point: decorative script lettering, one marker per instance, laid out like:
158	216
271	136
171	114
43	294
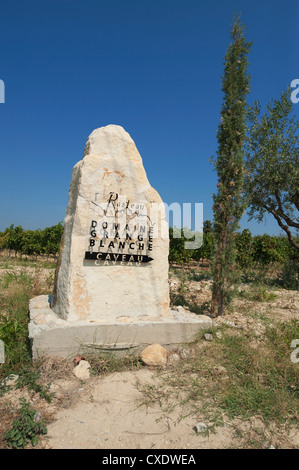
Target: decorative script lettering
120	233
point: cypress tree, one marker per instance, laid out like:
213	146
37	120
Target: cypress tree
228	203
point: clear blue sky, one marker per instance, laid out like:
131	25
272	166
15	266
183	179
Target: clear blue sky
153	67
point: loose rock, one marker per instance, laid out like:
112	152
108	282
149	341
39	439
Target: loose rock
173	358
200	427
181	309
208	337
154	355
184	353
38	416
229	323
10	381
81	371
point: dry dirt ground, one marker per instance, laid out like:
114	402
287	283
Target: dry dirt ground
110	411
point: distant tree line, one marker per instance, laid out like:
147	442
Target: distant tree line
262	249
250	249
31	242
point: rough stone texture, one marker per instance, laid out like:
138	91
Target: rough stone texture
84	289
81	371
173	358
57	337
185	353
208	337
154	355
200	427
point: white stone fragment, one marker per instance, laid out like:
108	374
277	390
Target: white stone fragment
81	371
200	427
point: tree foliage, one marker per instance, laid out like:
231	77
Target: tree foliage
243	243
32	242
177	251
272	164
228	204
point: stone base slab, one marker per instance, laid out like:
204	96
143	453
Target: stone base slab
52	336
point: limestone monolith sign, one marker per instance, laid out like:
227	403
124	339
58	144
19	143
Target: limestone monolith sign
111	282
114	253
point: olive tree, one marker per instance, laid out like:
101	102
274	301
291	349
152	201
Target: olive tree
272	165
